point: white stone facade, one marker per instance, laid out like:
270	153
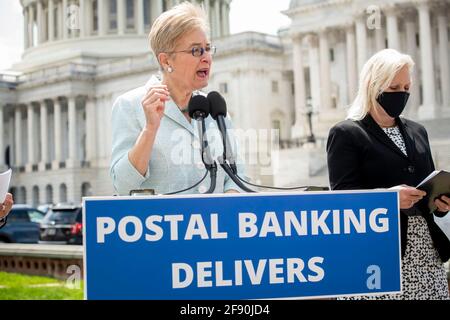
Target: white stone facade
55	115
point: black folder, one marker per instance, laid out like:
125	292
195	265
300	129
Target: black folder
435	185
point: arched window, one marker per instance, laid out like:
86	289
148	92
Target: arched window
35	196
63	193
86	190
49	194
22	195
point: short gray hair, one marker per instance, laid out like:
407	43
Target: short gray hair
173	24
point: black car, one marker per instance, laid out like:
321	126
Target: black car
62	224
22	225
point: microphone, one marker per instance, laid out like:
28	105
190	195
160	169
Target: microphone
199	109
218	109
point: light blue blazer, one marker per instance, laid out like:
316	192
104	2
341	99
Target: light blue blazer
175	162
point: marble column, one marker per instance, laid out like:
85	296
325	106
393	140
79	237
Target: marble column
40	22
325	82
392	28
207	6
31	137
352	75
314	71
82	18
30	26
411	49
140	17
44	136
72	119
58	133
51	20
428	107
26	30
90	129
380	40
18	136
65	19
224	14
299	129
361	42
216	20
444	57
121	17
156	9
102	17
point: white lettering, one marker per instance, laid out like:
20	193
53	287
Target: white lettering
151	226
319	222
247	225
294	268
384	222
270	224
359	225
215	233
176	269
203	273
220	282
173	220
290	219
105	225
275	270
255	276
196	227
320	273
136	222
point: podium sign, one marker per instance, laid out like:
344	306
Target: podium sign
242	246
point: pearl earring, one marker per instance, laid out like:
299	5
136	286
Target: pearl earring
169	70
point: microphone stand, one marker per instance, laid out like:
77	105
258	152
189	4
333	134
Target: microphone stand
226	167
207	160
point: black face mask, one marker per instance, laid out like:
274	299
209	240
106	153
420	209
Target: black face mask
393	102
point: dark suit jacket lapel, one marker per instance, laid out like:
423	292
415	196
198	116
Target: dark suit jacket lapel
375	130
408	137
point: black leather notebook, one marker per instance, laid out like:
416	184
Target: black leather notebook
435	185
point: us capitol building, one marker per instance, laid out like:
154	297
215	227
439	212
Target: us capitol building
80	55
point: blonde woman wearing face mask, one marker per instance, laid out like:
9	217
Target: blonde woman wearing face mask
376	148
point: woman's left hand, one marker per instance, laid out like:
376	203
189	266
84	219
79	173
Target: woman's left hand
443	203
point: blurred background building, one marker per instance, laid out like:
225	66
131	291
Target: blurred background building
80	55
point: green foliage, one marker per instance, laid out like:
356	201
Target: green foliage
22	287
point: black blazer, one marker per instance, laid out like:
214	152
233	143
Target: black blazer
361	156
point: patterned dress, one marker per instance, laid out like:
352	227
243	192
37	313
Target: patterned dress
423	273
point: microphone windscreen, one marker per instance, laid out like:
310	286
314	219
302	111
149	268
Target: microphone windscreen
198	103
218	106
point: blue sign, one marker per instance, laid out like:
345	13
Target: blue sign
260	246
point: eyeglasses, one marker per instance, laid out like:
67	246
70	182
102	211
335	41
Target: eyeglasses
198	51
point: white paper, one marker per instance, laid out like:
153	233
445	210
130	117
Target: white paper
430	176
5	178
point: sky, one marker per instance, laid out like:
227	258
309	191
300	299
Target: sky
245	15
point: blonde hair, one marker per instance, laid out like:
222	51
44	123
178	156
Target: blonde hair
173	24
375	77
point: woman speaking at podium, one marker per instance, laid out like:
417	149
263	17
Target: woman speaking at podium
153	143
376	148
